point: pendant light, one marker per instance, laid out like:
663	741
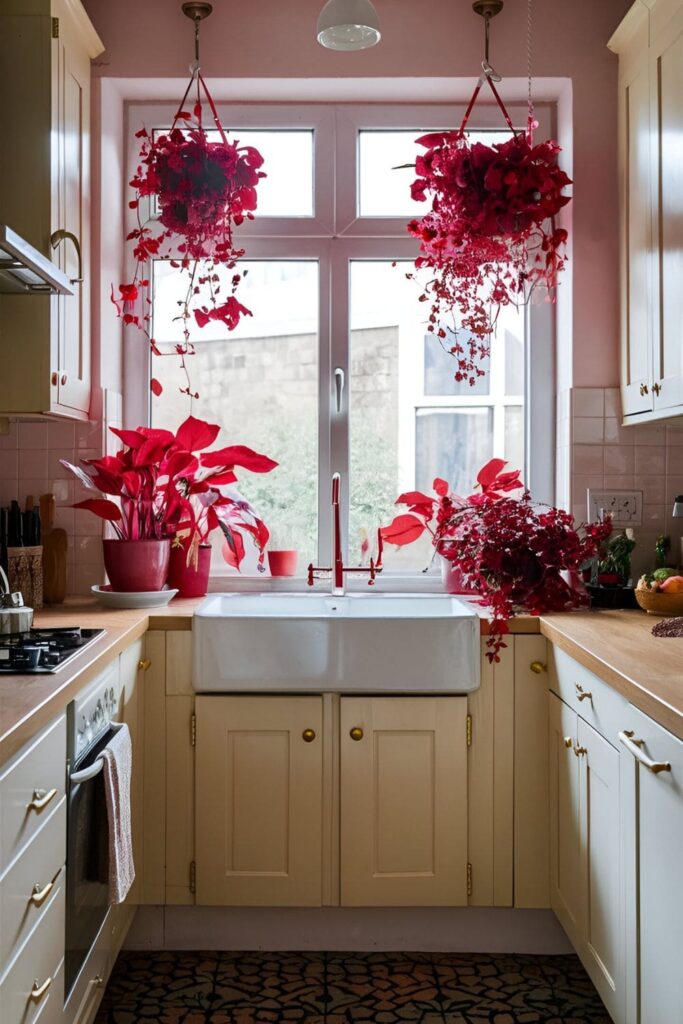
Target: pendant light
348	25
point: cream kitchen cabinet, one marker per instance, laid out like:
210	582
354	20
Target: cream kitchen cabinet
652	840
649	43
45	52
403	779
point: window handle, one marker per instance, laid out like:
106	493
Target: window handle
339	381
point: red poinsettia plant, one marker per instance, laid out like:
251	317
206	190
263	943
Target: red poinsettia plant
514	554
490	235
203	190
167	486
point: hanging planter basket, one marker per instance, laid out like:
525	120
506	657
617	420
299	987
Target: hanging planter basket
203	190
490	235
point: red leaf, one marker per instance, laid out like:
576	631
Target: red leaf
488	473
404	530
195	434
155	386
441	487
238	455
414	498
101	507
233	549
225	477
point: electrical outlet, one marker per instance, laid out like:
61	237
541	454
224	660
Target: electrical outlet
625	507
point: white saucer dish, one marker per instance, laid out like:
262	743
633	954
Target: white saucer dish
133	599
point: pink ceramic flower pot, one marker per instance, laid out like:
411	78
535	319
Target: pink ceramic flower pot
189	580
452	578
283	563
136	565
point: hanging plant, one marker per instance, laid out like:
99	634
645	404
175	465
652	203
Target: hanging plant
203	190
490	236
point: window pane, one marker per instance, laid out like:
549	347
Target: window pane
514	437
260	382
287	189
453	444
384	191
439	370
512	328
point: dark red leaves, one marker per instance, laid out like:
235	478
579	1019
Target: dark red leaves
239	455
155	387
101	507
441	487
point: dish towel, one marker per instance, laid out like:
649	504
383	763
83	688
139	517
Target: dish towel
118	763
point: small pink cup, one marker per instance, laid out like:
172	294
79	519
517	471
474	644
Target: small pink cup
283	563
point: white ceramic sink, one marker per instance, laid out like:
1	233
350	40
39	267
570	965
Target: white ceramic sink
316	642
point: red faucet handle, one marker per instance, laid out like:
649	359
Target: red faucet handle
310	574
371	581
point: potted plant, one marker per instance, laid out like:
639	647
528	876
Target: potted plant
167	487
515	555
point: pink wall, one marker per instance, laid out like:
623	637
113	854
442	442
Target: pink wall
432	38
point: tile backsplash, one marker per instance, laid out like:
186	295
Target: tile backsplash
596	451
29	465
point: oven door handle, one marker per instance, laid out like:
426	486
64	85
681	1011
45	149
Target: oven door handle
96	767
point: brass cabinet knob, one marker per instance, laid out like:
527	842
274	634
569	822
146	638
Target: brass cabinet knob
538	667
644	390
144	664
656	388
568	742
308	735
580	751
356	733
63	380
53	380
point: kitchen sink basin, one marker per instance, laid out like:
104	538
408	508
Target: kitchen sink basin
315	642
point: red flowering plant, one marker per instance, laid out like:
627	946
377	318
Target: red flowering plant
203	189
167	486
490	235
510	551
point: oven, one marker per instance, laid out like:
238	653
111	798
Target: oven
91	723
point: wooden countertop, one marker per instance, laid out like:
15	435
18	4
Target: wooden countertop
618	646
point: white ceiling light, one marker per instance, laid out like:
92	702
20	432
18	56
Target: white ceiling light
348	25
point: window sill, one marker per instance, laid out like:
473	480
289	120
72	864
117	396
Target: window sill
391	583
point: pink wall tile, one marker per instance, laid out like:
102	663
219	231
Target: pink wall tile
674	462
654	487
9	465
650	459
55	470
32	435
615	433
63	491
619	481
32	464
61	435
648	434
588	402
613	402
34	487
10	439
85	523
653	517
674	436
587	459
588	430
619	458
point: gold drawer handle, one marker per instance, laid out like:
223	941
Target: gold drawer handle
39	895
644	389
633	744
657	388
568	742
538	667
144	664
38	991
581	693
308	735
41	798
356	733
580	751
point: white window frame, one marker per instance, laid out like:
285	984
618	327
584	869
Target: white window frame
335	235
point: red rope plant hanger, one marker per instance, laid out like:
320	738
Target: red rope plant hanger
203	189
490	235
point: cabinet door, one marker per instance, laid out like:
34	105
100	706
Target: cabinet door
71	213
652	810
258	829
636	238
131	667
666	76
403	801
565	833
602	940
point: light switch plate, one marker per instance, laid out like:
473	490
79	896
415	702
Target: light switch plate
626	507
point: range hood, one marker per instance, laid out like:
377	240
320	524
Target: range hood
24	270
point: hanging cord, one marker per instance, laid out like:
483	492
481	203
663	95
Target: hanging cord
531	123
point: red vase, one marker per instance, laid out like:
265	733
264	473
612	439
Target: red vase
283	563
136	565
186	579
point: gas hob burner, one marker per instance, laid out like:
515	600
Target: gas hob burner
43	650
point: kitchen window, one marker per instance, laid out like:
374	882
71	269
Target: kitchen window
335	370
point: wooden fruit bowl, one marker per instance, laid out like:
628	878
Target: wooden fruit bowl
654	602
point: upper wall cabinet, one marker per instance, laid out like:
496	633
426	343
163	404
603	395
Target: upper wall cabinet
649	43
45	51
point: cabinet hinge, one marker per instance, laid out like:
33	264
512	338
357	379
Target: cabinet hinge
193	729
193	876
469	879
55	28
468	730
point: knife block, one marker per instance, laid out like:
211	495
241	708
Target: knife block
26	574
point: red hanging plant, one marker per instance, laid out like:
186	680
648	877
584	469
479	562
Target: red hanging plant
203	189
490	235
512	552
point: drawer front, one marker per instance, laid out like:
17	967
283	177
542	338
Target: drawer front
40	959
596	702
27	886
30	791
86	995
